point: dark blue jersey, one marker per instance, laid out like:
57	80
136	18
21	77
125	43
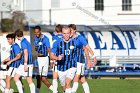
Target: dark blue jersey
42	44
81	42
56	39
68	49
26	45
14	50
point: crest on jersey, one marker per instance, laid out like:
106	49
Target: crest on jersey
71	47
40	43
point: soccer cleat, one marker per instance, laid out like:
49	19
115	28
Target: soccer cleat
11	90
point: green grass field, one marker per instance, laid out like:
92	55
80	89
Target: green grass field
98	86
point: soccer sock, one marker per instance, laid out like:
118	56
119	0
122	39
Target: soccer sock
2	85
2	88
68	90
19	87
75	87
86	87
32	88
11	90
37	90
7	90
51	88
55	85
2	82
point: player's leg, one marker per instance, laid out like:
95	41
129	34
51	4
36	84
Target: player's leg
29	78
38	78
69	77
8	79
62	78
55	76
43	70
19	73
76	78
10	73
85	84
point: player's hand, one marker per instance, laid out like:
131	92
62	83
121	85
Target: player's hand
94	61
60	57
25	67
89	64
8	63
2	62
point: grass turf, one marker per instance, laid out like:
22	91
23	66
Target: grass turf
96	86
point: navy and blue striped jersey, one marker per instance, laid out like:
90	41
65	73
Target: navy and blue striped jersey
14	50
26	45
81	42
42	44
68	49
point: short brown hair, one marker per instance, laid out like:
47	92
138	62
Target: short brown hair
19	33
58	28
73	26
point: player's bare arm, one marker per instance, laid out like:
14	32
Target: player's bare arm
25	59
18	56
6	60
87	57
54	57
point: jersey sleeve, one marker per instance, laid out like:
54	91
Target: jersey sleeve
83	40
47	42
55	47
16	49
24	45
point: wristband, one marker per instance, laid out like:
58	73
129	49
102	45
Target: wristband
25	63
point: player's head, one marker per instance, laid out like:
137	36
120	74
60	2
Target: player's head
37	31
19	34
10	38
66	33
58	28
72	28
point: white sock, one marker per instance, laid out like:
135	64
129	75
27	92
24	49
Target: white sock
51	88
19	86
6	90
75	87
2	83
11	90
68	90
55	85
2	88
32	88
37	90
86	87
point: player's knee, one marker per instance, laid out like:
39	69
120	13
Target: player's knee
16	79
68	83
43	79
76	78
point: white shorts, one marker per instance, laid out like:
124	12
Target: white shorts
43	63
70	73
20	70
11	71
80	68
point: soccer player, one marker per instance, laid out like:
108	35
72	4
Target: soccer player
64	53
42	46
84	47
57	37
26	64
13	61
